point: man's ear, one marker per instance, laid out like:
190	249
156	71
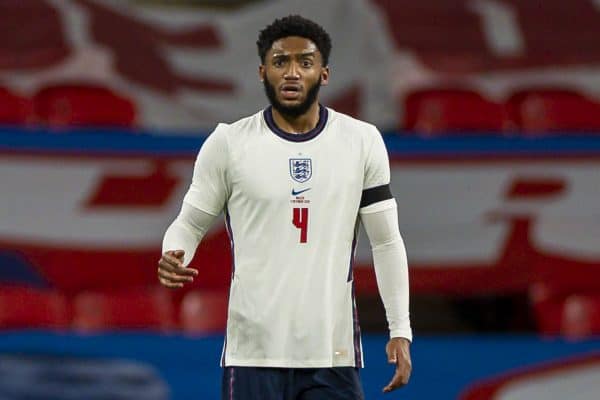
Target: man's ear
261	72
324	76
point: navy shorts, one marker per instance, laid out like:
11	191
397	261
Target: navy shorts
258	383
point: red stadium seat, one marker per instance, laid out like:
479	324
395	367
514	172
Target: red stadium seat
548	304
581	317
442	111
22	307
14	109
556	281
536	111
127	309
83	105
204	312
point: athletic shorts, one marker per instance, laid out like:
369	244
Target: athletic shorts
258	383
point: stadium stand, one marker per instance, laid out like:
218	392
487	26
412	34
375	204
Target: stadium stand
14	109
581	316
547	303
63	105
440	111
560	308
543	110
23	307
204	312
141	308
429	112
459	53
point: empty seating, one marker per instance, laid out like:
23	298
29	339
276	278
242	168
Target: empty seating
83	105
442	111
547	303
581	317
22	307
537	111
204	312
131	309
14	109
431	112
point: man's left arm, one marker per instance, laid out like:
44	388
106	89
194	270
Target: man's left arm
380	220
379	216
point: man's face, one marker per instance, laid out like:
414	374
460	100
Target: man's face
292	75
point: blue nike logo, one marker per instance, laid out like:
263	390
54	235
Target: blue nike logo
294	193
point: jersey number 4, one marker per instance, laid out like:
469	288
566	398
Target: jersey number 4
300	221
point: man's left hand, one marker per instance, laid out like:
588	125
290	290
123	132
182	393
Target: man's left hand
398	352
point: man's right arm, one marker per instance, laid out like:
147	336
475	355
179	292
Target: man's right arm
203	201
179	245
186	231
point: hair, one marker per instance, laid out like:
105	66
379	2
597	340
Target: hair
294	25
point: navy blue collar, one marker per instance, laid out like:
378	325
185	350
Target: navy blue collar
296	137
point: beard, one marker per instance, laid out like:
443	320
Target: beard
295	110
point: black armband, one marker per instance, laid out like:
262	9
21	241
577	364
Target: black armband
375	194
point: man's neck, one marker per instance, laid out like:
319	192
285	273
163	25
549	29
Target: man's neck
299	125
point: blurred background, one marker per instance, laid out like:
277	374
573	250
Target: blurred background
491	115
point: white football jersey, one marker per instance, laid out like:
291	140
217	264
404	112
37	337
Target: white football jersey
291	203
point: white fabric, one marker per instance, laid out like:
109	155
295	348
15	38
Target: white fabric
391	266
186	231
291	303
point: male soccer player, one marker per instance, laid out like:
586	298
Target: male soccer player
294	180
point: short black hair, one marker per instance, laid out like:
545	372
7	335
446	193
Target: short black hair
294	25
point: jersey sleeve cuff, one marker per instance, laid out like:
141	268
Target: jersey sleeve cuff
402	333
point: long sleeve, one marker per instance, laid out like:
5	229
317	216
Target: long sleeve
186	231
380	220
209	189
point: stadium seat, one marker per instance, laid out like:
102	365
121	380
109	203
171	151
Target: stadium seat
581	317
133	309
435	112
556	280
548	303
14	109
204	312
22	307
83	105
538	111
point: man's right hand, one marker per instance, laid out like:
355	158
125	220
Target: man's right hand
171	272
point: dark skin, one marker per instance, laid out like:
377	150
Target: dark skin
171	272
398	353
292	65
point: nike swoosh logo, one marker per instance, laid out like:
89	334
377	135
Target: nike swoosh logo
294	193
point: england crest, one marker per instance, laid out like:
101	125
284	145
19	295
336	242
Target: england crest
301	169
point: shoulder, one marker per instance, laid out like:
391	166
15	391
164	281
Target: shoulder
229	133
351	123
355	127
251	123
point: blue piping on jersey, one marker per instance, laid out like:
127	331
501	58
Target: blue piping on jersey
352	251
231	241
356	329
232	247
303	137
355	323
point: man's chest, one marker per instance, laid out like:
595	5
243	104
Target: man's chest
263	173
